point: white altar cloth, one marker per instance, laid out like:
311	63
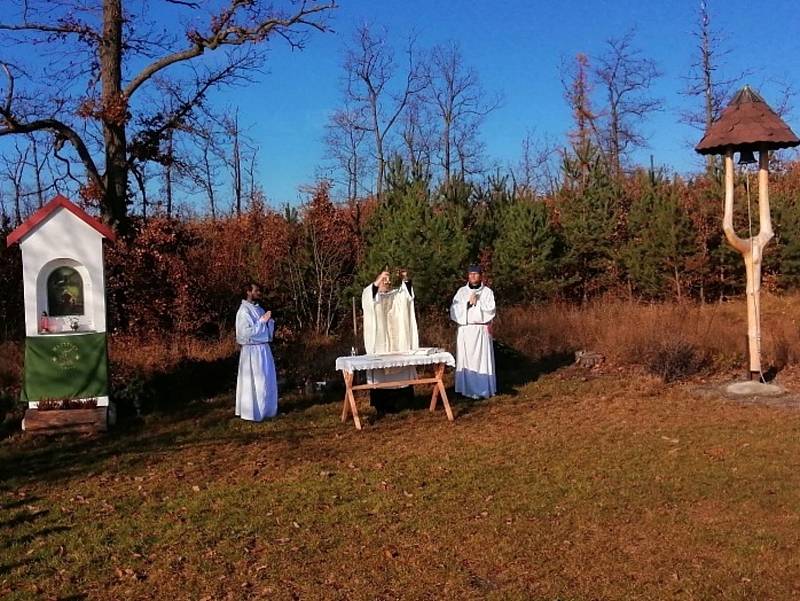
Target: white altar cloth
422	356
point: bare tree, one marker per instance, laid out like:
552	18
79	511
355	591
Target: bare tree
241	153
345	140
704	81
585	137
203	173
111	42
208	176
235	162
460	104
14	171
419	137
36	176
253	192
536	172
624	77
139	172
370	71
37	165
169	167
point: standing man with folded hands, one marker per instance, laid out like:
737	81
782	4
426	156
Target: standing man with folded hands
473	309
257	382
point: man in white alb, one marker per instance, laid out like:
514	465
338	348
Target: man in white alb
256	385
390	325
473	309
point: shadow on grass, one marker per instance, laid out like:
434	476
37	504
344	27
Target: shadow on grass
25	517
136	442
181	391
192	405
515	369
7	568
18	503
27	539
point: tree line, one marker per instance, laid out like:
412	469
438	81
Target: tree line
645	237
406	182
121	115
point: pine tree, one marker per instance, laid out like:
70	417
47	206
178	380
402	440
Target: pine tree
787	227
407	230
661	240
526	252
589	217
490	202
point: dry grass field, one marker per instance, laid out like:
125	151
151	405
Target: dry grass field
572	484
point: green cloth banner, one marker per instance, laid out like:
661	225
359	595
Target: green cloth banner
72	366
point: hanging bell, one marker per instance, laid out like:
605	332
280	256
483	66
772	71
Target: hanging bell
746	157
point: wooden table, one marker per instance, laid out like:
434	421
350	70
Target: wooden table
420	358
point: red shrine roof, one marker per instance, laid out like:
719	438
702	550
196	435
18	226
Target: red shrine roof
747	123
59	201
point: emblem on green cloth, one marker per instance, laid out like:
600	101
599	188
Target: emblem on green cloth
70	366
66	355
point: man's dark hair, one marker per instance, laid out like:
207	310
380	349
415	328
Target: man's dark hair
247	288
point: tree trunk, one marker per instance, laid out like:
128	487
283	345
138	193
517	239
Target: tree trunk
114	201
447	151
208	182
141	180
168	174
708	78
37	170
376	126
236	166
17	204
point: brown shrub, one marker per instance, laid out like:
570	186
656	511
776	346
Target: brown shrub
673	340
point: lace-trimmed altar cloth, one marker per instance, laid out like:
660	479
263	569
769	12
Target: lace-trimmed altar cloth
422	356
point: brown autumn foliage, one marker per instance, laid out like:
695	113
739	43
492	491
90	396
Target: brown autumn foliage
174	286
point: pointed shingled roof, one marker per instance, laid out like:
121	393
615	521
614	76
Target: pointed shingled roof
59	201
747	123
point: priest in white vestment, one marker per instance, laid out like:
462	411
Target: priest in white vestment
473	309
390	325
257	383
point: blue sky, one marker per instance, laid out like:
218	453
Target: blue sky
516	46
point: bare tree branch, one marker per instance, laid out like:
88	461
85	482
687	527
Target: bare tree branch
194	5
226	32
10	124
625	77
65	27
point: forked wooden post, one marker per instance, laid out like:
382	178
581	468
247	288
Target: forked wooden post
745	125
752	251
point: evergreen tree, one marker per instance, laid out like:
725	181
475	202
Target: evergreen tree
590	215
407	230
488	208
526	252
787	240
661	240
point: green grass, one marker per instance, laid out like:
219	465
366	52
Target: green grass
565	489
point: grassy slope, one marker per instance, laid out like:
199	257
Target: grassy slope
564	489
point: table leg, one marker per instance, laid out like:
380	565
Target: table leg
354	410
434	396
348	383
350	400
439	388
